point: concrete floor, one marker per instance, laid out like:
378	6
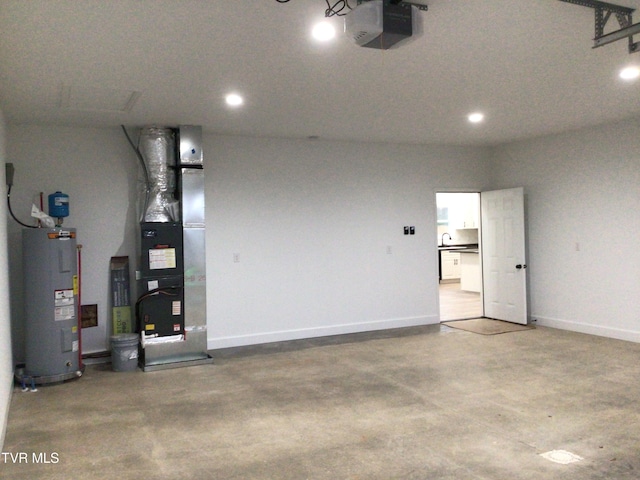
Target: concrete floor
420	403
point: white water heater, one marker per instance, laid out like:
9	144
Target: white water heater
52	350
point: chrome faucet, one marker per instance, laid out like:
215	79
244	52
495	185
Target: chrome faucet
442	239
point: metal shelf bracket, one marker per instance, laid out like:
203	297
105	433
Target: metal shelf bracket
603	12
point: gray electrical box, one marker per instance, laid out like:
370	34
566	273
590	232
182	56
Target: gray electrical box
190	145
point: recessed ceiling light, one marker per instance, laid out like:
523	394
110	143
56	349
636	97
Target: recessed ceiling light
234	100
323	31
476	117
630	73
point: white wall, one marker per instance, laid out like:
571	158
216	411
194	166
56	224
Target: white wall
583	198
6	362
311	223
98	170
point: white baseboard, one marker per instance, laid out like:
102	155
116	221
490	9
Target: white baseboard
581	327
313	332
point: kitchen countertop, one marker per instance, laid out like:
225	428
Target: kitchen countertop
459	248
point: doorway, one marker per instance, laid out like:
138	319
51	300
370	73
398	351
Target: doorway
459	258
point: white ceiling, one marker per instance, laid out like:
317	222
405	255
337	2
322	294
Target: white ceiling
529	65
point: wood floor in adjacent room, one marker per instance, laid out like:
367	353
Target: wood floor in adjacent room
457	304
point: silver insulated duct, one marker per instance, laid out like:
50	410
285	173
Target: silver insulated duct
157	146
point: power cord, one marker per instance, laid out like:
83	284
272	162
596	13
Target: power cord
145	171
170	291
9	171
336	8
11	211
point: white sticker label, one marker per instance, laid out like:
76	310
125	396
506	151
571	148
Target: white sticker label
74	346
63	297
161	258
176	307
152	285
64	304
65	313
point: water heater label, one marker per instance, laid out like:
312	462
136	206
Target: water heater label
64	305
161	258
65	313
63	297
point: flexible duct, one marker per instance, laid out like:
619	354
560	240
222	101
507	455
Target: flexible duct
157	146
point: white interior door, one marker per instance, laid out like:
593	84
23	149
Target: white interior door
503	255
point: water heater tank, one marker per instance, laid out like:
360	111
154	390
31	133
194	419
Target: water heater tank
50	304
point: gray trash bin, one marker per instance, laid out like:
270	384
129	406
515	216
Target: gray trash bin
124	352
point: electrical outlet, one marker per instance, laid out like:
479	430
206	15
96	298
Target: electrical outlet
236	258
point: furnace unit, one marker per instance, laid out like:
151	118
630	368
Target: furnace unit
171	308
161	272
